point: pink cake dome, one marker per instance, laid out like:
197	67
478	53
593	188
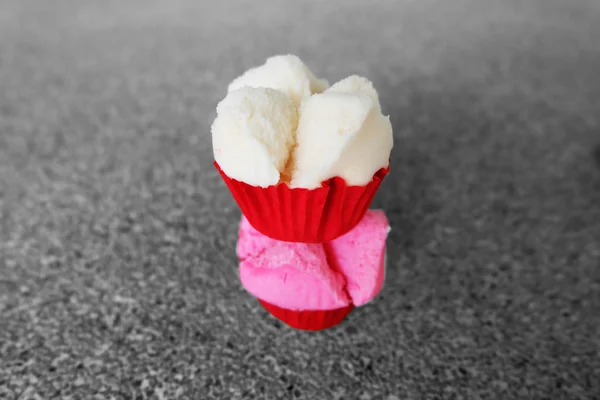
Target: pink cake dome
314	286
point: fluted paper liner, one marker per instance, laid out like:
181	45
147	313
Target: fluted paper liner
302	215
308	320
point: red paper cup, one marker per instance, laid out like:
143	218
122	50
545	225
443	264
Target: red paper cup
308	320
303	215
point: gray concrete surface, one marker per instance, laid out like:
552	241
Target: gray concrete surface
117	269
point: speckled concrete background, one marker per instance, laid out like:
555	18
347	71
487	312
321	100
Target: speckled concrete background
117	269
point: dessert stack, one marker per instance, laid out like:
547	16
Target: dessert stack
303	161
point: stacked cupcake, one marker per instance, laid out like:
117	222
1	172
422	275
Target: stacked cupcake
303	161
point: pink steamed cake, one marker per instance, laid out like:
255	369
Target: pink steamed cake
300	276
